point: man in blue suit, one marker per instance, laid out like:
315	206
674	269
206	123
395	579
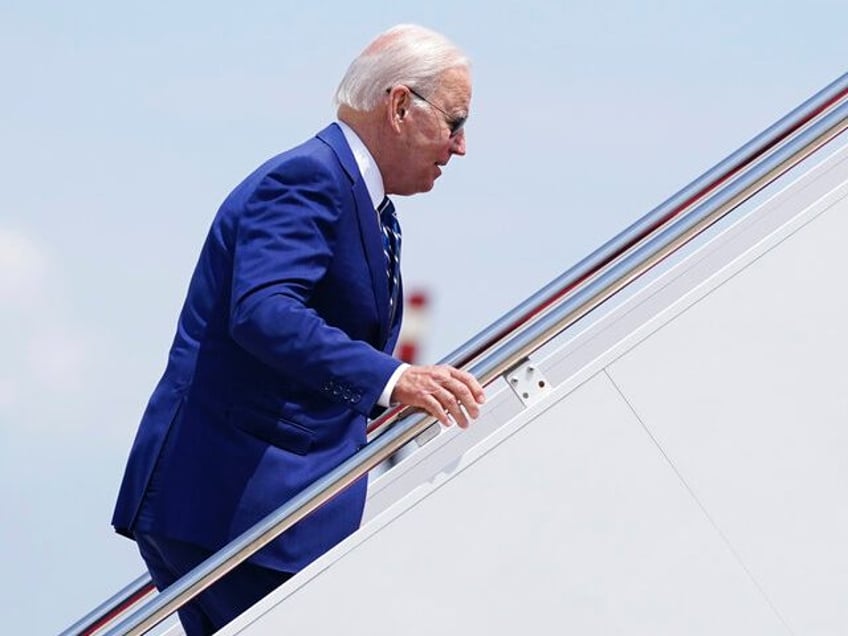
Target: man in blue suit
283	346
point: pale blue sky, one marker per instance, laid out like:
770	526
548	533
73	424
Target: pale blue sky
123	127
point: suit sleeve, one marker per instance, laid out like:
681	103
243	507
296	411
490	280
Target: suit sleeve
283	246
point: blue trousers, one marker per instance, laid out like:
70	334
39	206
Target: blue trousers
168	560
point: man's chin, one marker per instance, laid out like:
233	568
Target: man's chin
421	188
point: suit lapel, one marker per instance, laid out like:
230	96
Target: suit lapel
369	230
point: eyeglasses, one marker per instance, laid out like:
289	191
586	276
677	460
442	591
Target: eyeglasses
454	123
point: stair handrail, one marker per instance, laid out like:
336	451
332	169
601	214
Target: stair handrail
524	329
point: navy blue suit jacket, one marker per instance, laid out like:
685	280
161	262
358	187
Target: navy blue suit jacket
281	353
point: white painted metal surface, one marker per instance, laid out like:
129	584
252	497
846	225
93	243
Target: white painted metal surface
685	473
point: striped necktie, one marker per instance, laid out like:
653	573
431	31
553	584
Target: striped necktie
391	248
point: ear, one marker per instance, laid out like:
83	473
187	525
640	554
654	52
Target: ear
398	104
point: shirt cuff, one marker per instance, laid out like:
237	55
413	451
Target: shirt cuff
385	399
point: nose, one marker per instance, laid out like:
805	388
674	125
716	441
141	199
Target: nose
458	143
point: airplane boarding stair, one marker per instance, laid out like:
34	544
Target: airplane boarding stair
664	448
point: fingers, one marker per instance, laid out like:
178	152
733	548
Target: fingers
442	405
448	394
468	391
437	409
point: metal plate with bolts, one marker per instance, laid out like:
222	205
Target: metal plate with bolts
528	382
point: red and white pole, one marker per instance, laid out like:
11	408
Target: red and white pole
415	324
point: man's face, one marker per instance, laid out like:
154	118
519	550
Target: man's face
427	141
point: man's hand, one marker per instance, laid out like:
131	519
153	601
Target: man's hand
444	392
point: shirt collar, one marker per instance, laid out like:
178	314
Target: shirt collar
366	164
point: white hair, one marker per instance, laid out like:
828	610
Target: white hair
405	54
